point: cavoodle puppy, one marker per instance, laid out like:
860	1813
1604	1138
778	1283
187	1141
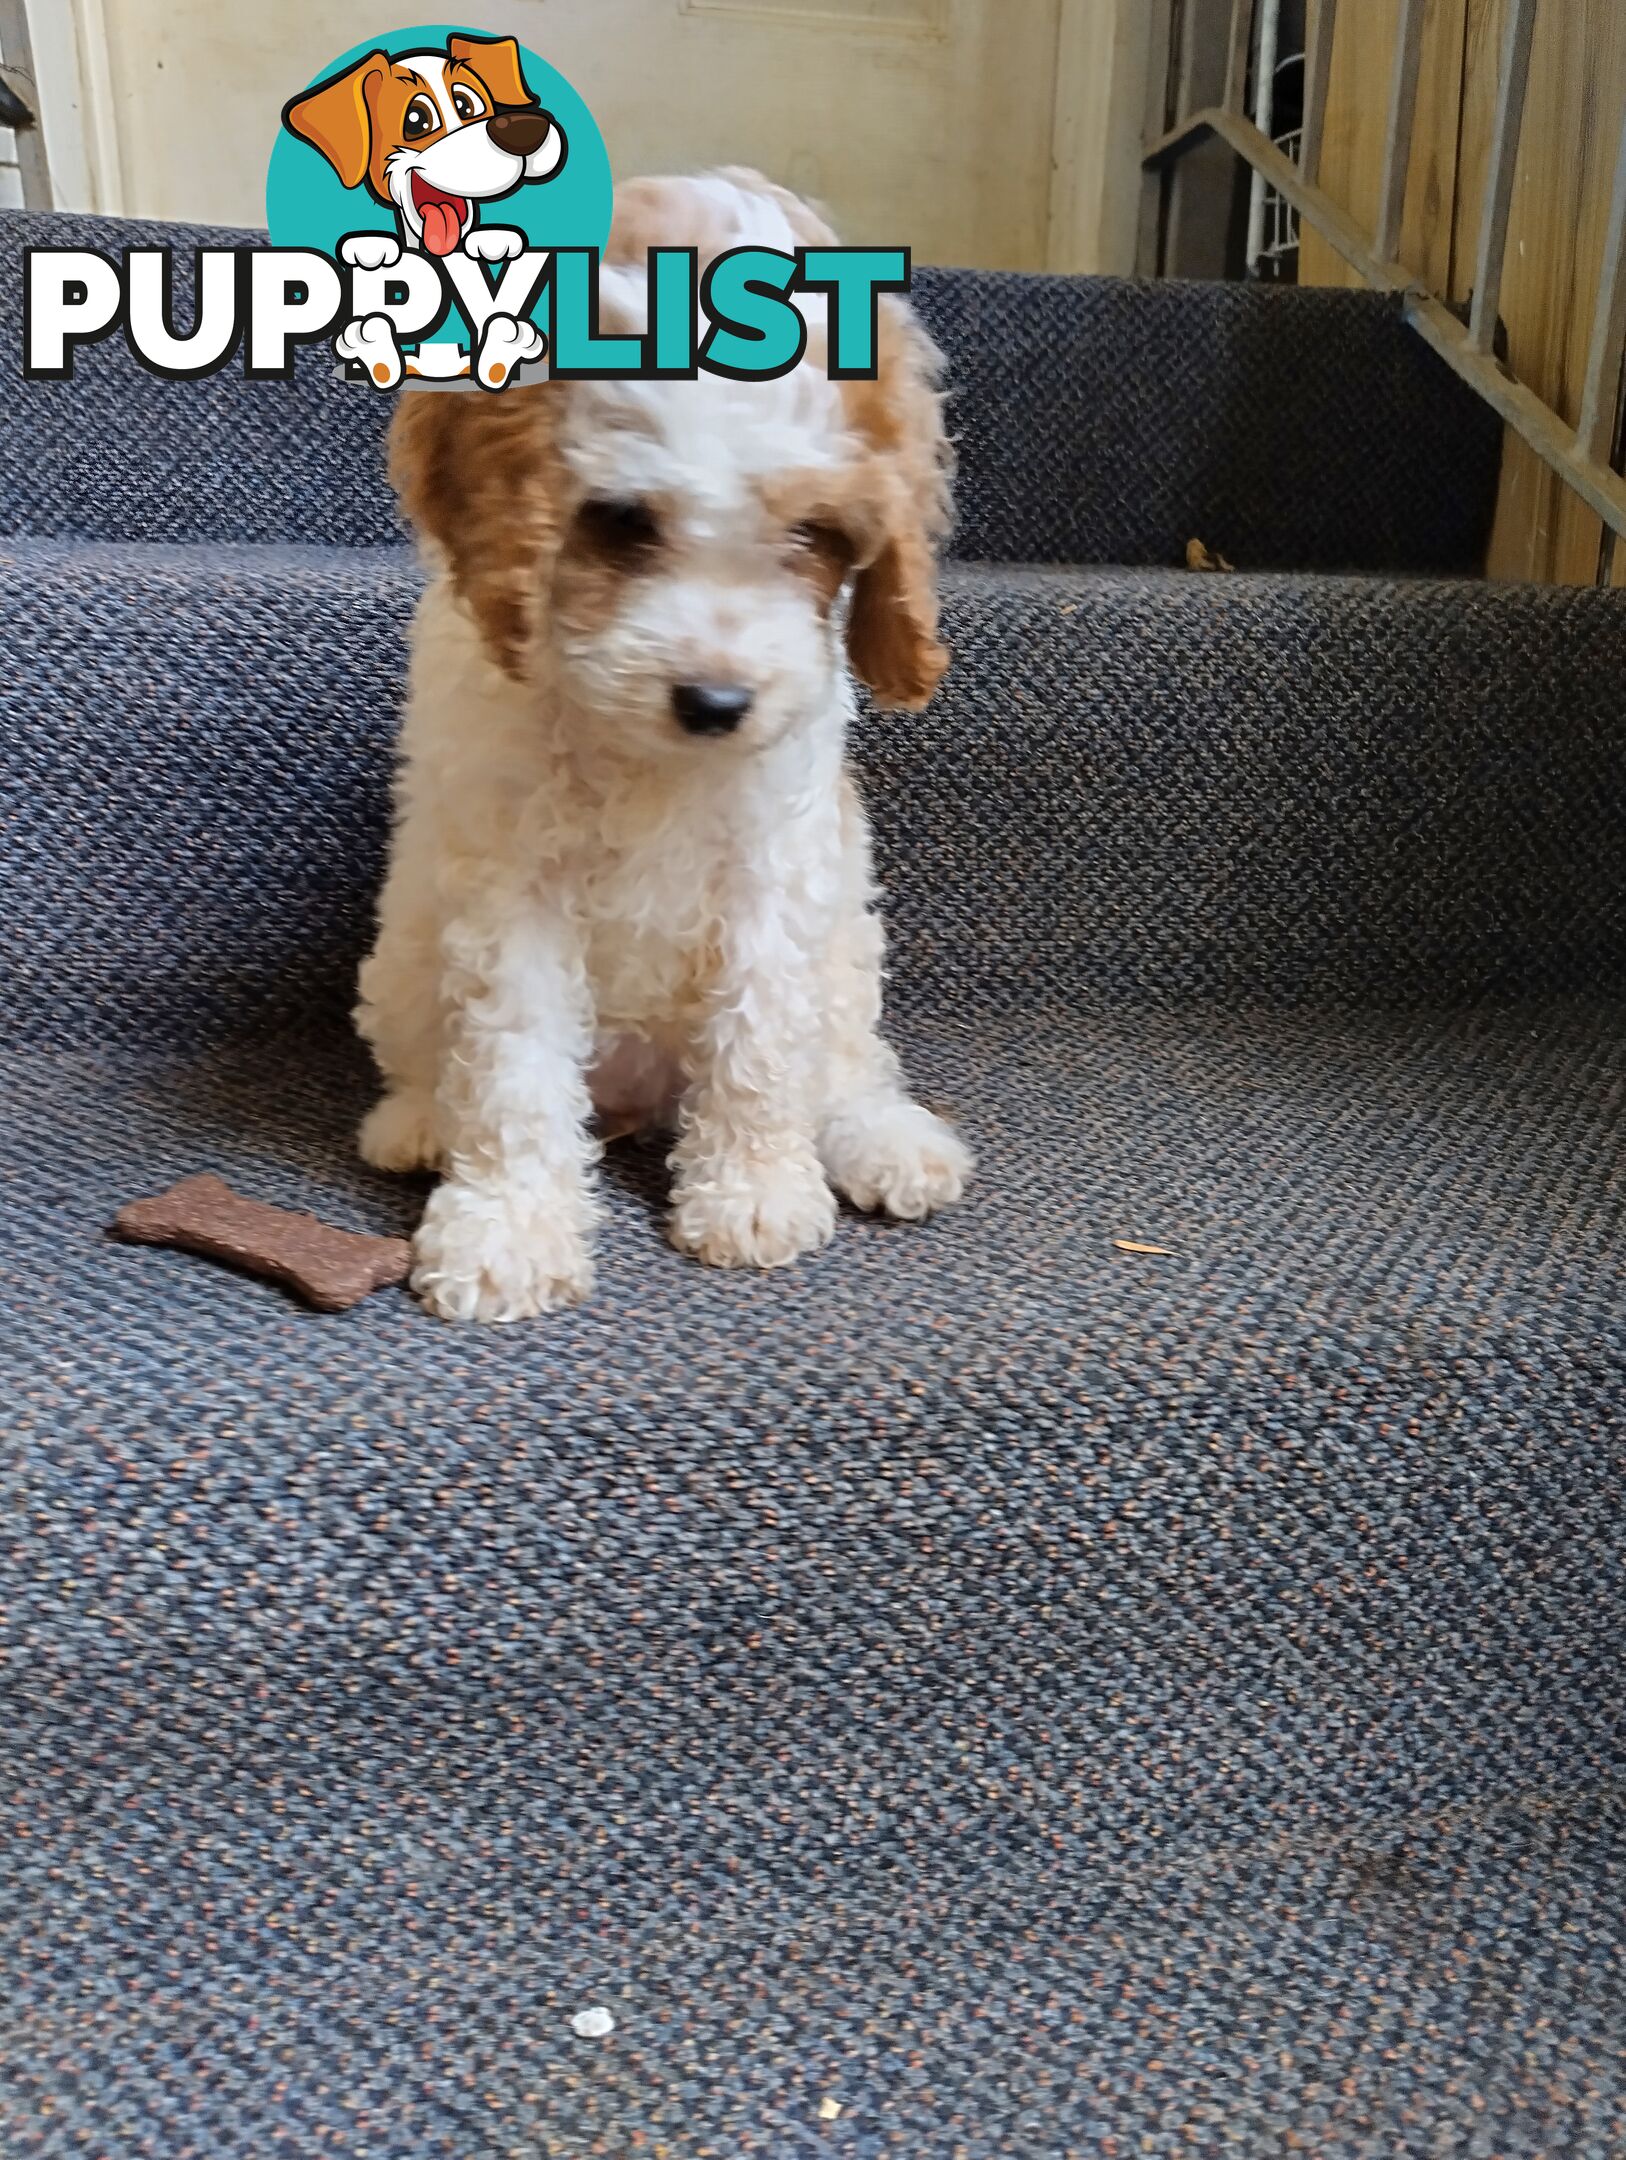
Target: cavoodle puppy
631	872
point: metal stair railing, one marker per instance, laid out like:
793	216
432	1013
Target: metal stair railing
1581	456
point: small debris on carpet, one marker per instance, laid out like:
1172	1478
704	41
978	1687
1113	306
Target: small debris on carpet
595	2023
829	2110
1156	1252
1199	558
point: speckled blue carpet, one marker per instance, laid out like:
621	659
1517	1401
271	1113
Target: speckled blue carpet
981	1692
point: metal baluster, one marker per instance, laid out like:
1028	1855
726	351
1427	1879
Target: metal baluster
1601	401
1510	97
1317	80
1236	72
1264	119
1402	117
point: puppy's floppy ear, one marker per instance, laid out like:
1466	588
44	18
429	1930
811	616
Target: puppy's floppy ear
496	62
892	636
479	477
336	118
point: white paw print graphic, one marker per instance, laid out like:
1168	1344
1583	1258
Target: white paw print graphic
505	344
371	343
370	251
494	243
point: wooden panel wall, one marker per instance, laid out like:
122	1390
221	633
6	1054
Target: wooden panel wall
1572	134
1357	122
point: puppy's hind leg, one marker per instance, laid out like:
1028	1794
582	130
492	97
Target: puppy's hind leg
883	1150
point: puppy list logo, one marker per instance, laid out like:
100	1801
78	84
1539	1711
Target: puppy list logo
438	203
425	164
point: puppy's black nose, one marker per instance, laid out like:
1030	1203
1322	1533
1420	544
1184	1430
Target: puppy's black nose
519	133
710	708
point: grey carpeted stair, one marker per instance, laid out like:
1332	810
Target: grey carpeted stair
1047	1699
1278	789
1308	430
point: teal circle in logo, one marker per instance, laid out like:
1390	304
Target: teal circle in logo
359	140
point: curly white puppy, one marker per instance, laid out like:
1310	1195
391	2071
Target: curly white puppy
631	870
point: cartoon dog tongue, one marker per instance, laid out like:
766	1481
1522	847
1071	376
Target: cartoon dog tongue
442	223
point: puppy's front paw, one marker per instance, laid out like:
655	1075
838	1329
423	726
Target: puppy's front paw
895	1158
759	1215
495	1253
398	1133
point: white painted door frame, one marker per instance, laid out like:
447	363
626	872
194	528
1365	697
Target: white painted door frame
77	113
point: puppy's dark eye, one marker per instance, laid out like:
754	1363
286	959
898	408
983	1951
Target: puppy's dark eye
467	103
422	118
622	528
823	552
815	537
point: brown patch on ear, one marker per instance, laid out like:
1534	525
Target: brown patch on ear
892	631
335	117
892	636
496	62
480	476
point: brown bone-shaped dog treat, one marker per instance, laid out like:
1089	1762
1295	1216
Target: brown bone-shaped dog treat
331	1269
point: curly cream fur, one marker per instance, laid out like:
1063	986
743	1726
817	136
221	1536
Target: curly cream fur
586	904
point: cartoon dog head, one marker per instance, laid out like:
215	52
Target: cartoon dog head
433	134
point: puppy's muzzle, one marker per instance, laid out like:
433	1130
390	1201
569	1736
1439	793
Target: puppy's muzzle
710	708
519	133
